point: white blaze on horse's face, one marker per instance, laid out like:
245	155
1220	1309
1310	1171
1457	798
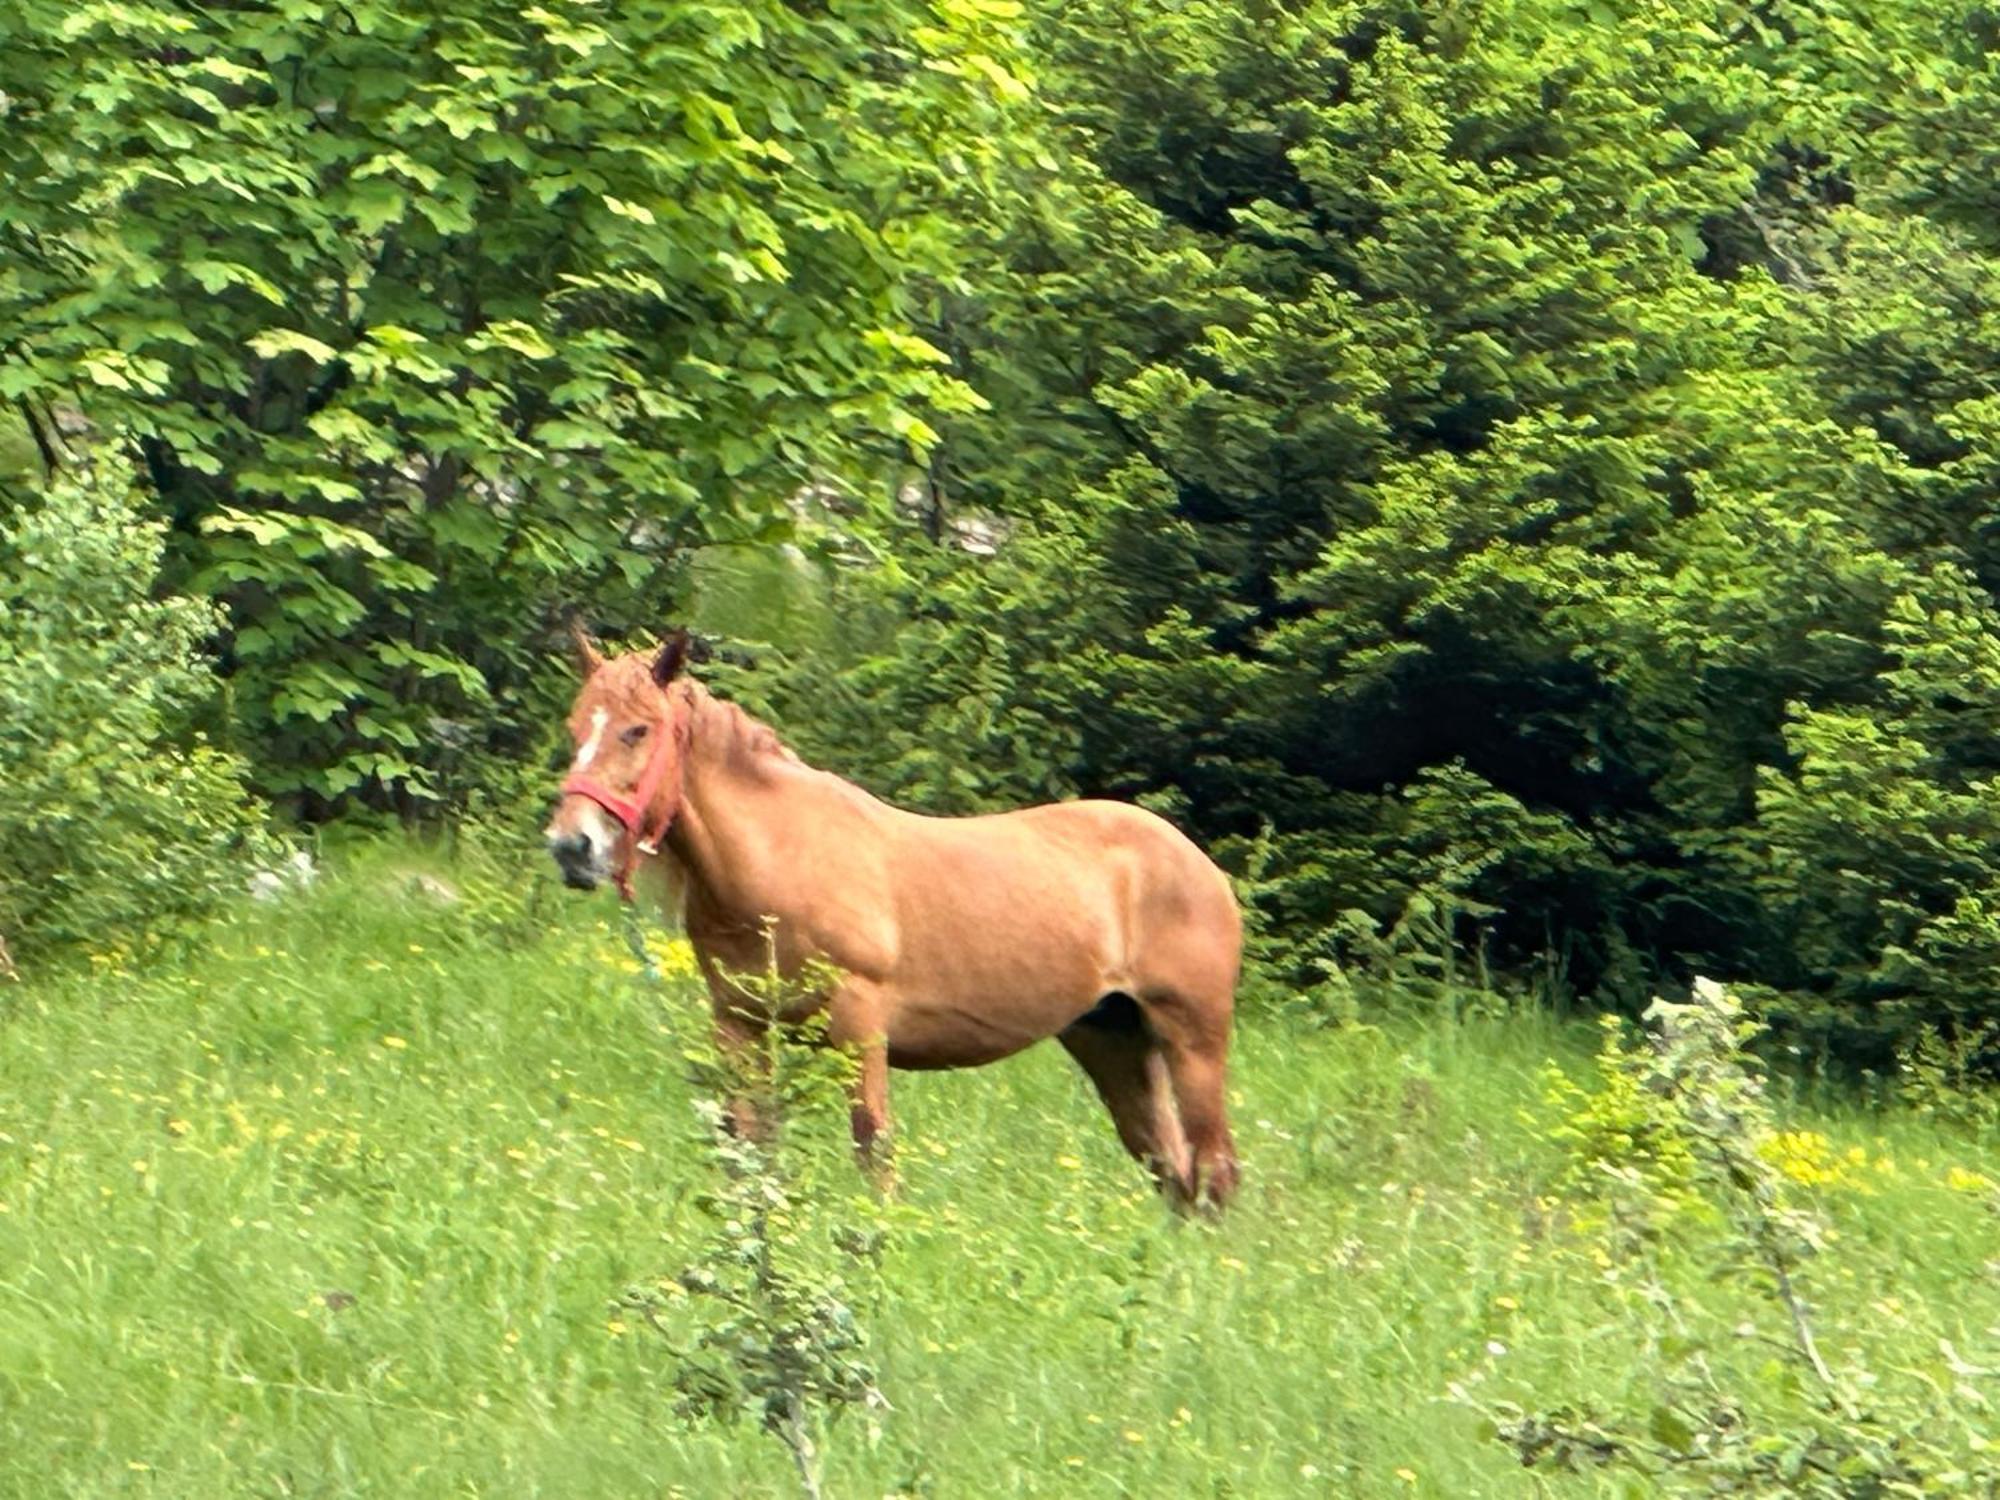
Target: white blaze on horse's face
598	719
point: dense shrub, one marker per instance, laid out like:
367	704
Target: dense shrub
1538	468
118	819
434	320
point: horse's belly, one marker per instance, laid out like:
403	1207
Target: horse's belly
938	1059
945	1036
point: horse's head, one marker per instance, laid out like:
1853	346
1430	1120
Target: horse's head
624	785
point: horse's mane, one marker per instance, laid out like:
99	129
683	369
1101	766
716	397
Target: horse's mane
724	725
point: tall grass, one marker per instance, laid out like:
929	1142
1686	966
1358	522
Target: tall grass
338	1206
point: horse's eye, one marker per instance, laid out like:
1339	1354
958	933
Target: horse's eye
633	735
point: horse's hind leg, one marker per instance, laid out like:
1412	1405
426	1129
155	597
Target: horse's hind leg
1113	1045
1194	1039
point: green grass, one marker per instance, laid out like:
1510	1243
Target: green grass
337	1206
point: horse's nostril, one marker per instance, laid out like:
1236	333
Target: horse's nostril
571	847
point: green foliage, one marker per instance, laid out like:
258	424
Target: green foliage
763	1323
1619	1127
1518	475
1537	459
970	666
432	320
1848	1434
1943	1078
119	820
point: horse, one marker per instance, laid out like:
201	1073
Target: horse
952	942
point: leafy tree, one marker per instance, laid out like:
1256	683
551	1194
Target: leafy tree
427	320
1539	466
1354	320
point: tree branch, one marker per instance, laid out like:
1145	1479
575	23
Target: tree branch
43	442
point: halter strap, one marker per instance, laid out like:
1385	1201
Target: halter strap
645	823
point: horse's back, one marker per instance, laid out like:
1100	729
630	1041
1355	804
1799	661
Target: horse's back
1101	835
1131	884
1177	878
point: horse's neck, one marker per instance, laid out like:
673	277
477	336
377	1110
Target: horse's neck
733	794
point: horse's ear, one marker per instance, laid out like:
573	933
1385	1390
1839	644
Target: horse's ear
588	657
672	658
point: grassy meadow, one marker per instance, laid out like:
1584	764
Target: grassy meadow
337	1203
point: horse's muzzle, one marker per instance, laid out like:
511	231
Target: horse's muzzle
582	862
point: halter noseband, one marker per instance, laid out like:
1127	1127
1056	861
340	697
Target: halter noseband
641	820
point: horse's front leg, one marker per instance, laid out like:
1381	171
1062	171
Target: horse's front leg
858	1025
869	1116
746	1065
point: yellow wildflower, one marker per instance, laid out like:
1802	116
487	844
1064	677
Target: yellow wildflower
1959	1180
1806	1157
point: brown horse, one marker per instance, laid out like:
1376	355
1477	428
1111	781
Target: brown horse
958	940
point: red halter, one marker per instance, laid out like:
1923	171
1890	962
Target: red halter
645	824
